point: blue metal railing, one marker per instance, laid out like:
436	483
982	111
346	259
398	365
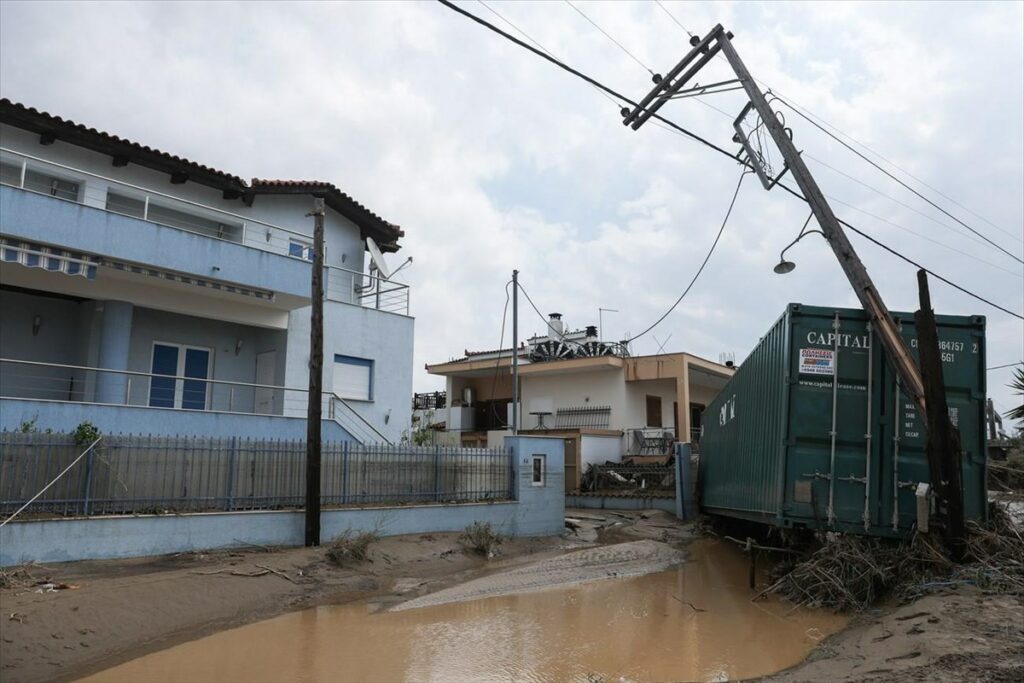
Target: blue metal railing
135	474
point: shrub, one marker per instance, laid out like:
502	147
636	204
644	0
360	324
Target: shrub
481	539
351	546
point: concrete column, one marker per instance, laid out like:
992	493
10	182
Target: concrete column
115	343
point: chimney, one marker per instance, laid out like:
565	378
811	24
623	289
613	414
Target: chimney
556	328
592	333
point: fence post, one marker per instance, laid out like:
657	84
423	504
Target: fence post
232	457
344	472
437	473
511	474
87	485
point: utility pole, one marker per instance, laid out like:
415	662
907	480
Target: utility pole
316	379
515	352
671	86
943	445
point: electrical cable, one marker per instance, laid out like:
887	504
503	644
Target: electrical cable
1008	365
909	260
676	128
608	36
908	187
707	258
501	16
497	361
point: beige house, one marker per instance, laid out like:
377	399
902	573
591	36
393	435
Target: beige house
609	405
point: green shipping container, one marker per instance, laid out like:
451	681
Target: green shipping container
814	432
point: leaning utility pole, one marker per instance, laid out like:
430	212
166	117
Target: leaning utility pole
671	86
316	378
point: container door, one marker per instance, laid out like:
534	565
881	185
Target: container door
828	464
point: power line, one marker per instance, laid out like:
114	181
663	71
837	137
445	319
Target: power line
799	109
676	128
917	265
1008	365
924	237
893	199
531	39
497	361
908	187
696	275
608	36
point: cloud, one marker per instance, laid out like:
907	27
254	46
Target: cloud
492	159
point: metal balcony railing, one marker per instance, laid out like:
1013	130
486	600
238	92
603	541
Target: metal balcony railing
34	380
650	441
67	183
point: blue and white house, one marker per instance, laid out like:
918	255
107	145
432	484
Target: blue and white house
148	293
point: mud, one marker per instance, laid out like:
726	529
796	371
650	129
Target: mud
695	622
622	560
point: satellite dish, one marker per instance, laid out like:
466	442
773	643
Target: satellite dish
378	258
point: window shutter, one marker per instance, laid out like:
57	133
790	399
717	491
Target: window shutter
353	377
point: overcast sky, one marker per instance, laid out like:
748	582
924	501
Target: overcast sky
492	159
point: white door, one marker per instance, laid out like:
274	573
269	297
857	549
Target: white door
266	363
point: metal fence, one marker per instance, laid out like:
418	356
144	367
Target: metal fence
634	479
577	417
135	474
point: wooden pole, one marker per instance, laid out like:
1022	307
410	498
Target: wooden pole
943	445
316	372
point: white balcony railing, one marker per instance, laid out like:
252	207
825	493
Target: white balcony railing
33	380
66	183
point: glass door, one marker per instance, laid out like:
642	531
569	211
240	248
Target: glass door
175	360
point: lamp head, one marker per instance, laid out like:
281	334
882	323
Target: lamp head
784	267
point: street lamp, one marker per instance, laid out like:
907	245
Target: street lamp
784	266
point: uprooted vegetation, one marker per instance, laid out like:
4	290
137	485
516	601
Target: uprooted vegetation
351	547
482	539
850	573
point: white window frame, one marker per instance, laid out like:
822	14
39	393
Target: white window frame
179	384
542	470
307	249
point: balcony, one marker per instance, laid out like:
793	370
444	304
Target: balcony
52	203
163	403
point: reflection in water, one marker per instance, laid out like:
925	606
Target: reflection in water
638	629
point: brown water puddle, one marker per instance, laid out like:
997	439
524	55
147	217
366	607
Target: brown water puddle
637	629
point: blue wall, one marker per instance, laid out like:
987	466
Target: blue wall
38	218
65	417
538	511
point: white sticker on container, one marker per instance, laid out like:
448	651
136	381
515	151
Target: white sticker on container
817	362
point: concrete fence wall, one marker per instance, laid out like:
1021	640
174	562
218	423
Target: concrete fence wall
539	510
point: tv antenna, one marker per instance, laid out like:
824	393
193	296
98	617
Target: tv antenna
661	345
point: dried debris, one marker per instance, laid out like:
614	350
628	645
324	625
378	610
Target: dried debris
481	539
351	546
850	573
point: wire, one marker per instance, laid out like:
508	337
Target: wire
679	130
608	36
696	275
1008	365
795	106
497	361
847	146
672	17
531	39
947	226
597	84
912	262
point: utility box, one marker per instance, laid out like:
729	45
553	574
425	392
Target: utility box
813	431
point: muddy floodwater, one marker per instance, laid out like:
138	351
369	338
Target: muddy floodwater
692	623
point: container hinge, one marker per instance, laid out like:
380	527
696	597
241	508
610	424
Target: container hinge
817	475
912	485
851	478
